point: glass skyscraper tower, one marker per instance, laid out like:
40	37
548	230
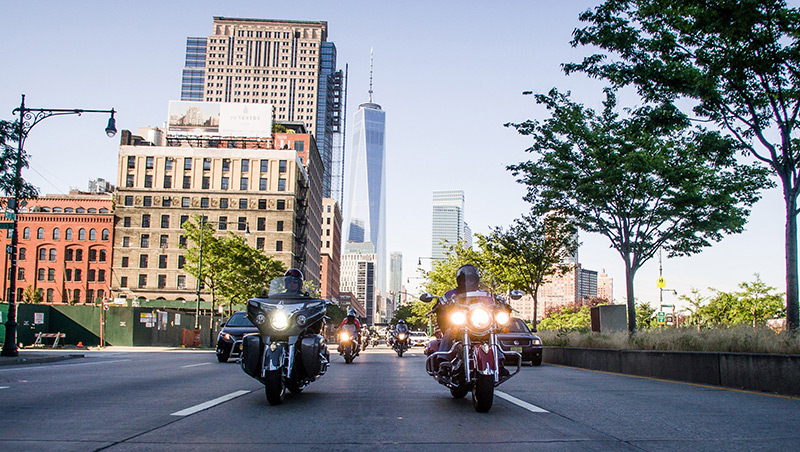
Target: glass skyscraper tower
448	222
365	196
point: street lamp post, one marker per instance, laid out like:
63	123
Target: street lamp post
29	117
203	222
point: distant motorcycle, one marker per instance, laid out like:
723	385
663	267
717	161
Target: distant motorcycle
400	343
474	360
348	342
288	352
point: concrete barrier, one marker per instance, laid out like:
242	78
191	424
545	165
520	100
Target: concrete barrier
751	371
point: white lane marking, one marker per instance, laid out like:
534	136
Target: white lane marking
195	365
520	403
30	366
209	404
4	387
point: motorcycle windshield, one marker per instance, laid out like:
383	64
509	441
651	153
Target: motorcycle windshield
288	287
349	328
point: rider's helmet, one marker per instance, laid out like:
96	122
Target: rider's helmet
351	312
401	322
293	280
467	279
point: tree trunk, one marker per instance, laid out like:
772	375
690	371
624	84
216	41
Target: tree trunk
535	309
792	321
629	273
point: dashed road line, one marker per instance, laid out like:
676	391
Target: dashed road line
209	404
520	403
195	365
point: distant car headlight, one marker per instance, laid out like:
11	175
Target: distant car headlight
279	320
479	318
458	318
501	318
225	336
536	341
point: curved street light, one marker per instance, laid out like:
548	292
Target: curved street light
29	117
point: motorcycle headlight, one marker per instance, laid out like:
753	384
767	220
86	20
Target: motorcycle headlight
260	319
344	336
401	336
301	320
480	318
458	318
501	318
279	320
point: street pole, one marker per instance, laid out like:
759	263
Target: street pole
29	117
200	272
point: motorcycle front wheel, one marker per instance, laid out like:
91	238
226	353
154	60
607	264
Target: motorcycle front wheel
274	387
459	392
483	393
400	352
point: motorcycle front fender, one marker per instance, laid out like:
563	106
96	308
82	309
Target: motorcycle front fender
484	360
273	356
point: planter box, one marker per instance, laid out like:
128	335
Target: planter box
752	371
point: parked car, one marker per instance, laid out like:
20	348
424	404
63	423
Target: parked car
418	338
517	337
229	341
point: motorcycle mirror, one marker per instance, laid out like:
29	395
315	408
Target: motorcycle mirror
517	294
426	297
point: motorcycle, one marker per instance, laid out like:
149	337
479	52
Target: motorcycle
288	352
348	342
474	361
400	343
365	340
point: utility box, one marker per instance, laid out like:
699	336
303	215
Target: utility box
609	318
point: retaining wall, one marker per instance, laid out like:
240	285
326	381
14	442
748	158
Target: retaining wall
752	371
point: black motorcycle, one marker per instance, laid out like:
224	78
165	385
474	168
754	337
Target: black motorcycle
288	352
400	343
474	362
348	342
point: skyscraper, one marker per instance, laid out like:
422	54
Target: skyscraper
286	63
395	283
365	197
448	222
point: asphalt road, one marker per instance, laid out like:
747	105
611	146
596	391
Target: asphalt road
185	401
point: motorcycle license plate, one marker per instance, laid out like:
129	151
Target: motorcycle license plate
516	349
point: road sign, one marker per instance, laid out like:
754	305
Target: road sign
6	225
10	215
661	317
661	283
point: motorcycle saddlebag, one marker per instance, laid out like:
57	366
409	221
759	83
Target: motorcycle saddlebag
252	351
311	348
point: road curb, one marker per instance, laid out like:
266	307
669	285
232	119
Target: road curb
25	358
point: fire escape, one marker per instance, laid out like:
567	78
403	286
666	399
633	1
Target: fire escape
301	221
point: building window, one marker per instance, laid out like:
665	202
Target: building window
245	165
52	254
146	220
260	243
279	226
51	274
184	219
102	255
26	233
149	162
126	222
242	224
82	234
262	204
92	255
143	279
40	274
143	261
226	164
126	242
164	221
145	241
206	182
56	234
40	234
125	262
129	180
225	183
21	254
162	281
261	224
168	165
187	181
147	201
187	163
223	223
244	183
101	276
68	254
262	183
123	281
167	181
243	203
89	295
185	201
92	235
43	254
90	275
67	274
131	162
20	274
279	245
204	203
181	262
181	282
148	181
166	201
105	235
182	240
281	184
264	165
206	164
79	255
163	241
50	295
162	261
281	204
129	200
223	203
282	166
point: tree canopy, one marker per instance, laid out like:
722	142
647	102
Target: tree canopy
9	142
645	180
738	60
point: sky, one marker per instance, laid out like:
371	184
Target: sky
449	75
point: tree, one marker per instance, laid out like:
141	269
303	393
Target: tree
645	181
442	276
573	316
756	304
695	302
32	296
738	60
531	250
644	315
9	142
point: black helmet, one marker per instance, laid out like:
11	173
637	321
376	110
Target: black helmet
293	280
294	272
351	312
467	279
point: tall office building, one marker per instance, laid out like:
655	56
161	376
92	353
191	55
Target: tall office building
365	197
358	277
286	63
448	222
395	283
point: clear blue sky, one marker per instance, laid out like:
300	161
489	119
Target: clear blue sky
448	73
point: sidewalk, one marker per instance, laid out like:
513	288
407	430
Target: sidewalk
28	356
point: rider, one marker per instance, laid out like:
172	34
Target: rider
401	327
293	281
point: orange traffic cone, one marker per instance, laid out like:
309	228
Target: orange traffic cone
80	344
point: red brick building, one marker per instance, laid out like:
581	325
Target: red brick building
64	250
